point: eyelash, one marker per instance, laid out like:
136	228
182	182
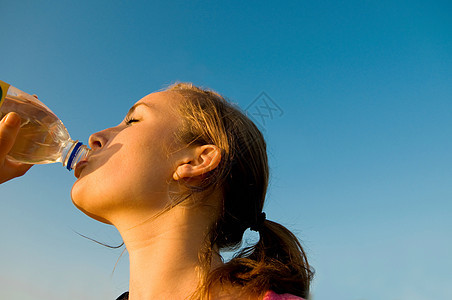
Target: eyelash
130	120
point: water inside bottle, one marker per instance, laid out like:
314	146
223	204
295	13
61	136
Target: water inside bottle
41	136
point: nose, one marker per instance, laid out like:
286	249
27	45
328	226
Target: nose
98	140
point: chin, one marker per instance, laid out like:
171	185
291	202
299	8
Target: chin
91	215
75	195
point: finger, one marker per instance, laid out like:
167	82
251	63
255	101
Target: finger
15	169
9	126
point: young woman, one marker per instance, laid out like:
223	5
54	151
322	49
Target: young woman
181	178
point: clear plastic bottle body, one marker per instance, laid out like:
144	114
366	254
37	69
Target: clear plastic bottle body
42	138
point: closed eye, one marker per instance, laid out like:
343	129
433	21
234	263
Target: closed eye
129	121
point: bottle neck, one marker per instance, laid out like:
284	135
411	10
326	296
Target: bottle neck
73	153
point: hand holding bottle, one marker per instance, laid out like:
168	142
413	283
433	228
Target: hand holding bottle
9	127
42	138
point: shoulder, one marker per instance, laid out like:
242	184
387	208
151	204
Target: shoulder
270	295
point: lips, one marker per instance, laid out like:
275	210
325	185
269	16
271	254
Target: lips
79	167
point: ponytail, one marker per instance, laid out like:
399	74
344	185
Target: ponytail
276	262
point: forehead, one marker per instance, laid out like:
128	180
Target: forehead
163	101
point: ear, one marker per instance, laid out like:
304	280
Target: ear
204	158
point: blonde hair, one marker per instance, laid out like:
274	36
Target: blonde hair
277	262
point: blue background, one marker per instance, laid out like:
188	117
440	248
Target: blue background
360	156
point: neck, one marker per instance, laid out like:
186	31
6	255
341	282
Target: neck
163	255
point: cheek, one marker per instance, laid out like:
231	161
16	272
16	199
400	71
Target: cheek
136	180
101	184
144	177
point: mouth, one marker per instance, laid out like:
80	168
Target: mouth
79	167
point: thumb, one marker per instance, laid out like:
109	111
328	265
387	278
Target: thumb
9	127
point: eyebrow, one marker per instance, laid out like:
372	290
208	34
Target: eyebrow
132	109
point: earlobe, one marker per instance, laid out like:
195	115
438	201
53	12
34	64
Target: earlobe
205	159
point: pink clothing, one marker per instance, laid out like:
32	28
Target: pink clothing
270	295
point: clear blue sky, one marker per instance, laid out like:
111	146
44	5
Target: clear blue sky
360	155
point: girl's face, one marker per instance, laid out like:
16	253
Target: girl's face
132	164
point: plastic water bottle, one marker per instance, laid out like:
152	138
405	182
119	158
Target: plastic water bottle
42	138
